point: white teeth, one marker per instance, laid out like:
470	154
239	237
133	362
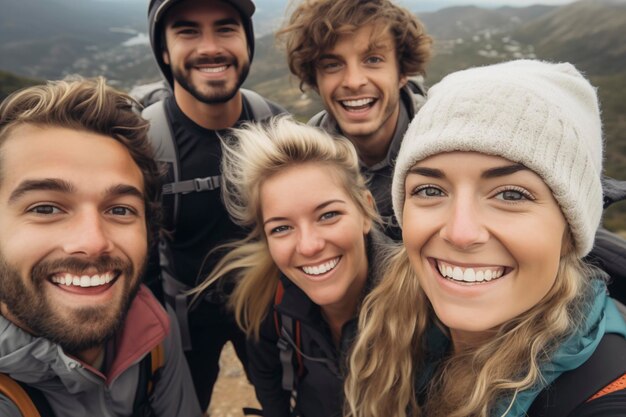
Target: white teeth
357	103
321	269
469	274
84	281
213	69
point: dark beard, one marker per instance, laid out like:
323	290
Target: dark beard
89	327
219	93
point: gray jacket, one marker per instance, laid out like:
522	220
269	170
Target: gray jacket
379	176
74	389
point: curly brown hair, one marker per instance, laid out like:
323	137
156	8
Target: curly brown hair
315	26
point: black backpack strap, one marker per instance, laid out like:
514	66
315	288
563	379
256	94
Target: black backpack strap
149	374
574	387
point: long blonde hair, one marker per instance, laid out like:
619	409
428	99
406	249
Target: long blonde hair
393	328
257	152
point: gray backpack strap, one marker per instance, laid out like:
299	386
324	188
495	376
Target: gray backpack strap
317	119
285	346
162	139
259	107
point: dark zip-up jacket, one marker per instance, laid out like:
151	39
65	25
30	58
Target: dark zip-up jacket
320	388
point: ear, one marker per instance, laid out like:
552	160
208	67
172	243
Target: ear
403	80
367	222
166	57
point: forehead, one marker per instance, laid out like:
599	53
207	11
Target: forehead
200	11
322	182
87	159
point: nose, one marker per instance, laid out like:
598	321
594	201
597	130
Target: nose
208	45
310	242
87	235
354	76
465	226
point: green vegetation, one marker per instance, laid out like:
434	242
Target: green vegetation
10	82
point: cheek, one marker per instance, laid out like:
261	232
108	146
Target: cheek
27	246
413	232
278	252
134	242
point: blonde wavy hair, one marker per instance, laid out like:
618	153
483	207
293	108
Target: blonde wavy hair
391	348
256	152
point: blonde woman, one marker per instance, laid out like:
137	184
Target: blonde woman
497	189
313	229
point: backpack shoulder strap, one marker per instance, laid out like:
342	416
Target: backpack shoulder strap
289	339
149	373
573	388
261	110
18	395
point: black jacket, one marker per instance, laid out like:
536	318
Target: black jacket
320	388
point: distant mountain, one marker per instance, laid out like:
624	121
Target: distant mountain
11	82
589	32
45	39
48	39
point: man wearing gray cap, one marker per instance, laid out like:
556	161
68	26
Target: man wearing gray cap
203	49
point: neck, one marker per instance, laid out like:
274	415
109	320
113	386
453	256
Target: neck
215	116
90	356
338	314
374	147
462	341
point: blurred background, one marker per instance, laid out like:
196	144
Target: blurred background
48	39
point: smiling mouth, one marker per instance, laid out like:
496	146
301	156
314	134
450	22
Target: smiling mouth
321	268
358	104
84	281
213	70
475	275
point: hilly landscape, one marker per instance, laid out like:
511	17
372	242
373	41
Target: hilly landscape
48	39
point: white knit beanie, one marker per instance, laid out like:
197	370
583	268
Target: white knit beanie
544	116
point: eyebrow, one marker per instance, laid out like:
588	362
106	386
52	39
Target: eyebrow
490	173
503	171
122	190
184	23
227	21
319	207
328	56
427	172
62	186
48	184
190	23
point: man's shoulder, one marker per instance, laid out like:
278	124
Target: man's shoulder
259	107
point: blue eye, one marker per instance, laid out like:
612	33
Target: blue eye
428	191
514	194
329	215
279	229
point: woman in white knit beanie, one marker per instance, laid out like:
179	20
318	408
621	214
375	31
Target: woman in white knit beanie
497	189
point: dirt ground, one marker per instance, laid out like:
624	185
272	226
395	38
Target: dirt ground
232	391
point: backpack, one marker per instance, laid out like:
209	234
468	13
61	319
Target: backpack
32	403
162	140
597	373
289	342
